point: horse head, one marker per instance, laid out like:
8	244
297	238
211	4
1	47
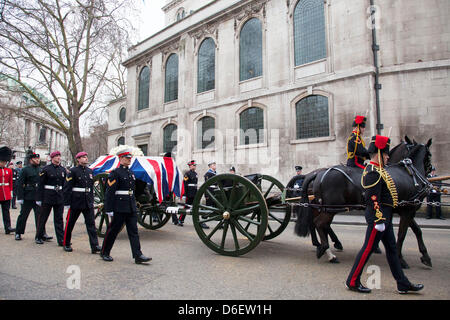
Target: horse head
421	156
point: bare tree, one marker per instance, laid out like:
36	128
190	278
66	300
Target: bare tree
64	49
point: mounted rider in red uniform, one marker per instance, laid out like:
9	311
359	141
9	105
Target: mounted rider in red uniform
356	148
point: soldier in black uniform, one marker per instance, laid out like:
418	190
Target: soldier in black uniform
120	204
79	197
380	196
208	175
27	184
356	151
15	177
190	187
50	196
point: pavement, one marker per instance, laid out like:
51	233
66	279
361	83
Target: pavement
357	218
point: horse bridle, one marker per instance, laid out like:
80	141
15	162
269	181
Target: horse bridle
416	175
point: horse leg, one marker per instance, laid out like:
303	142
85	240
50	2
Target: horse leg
425	258
322	221
405	220
312	229
334	238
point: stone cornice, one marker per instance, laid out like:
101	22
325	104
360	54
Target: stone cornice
171	5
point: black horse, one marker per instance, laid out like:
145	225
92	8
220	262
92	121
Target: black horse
338	189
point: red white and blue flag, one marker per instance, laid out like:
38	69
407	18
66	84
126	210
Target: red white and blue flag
160	172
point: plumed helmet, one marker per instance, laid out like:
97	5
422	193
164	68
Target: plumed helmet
360	121
5	153
381	143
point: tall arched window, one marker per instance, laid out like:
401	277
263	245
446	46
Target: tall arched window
144	87
206	66
171	82
309	31
312	120
206	132
251	123
250	50
121	141
170	138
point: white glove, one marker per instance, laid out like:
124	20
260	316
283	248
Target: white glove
380	227
66	207
20	201
110	214
39	203
12	194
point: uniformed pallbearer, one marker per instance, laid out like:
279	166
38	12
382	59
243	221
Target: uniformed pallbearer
79	198
120	205
50	196
15	173
190	187
6	187
356	148
380	197
27	185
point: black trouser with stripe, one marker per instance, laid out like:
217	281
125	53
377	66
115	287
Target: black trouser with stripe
434	197
189	201
23	216
120	218
5	213
58	210
372	239
71	219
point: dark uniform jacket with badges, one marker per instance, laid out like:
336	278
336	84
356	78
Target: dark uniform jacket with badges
51	182
380	191
190	183
27	183
120	188
356	151
79	178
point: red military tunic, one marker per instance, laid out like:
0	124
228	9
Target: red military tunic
6	184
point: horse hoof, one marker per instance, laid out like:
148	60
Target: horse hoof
334	260
426	261
338	246
320	252
404	264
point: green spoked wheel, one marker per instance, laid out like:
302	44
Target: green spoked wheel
101	218
236	212
279	217
153	216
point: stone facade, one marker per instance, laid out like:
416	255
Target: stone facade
414	60
29	128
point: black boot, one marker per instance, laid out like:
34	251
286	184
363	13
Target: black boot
410	287
96	249
142	259
18	237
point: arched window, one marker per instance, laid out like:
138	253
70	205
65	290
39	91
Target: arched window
250	50
309	31
312	120
206	132
144	87
170	138
251	123
181	14
171	83
122	114
206	65
121	141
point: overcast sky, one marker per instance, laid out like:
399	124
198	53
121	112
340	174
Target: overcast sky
152	18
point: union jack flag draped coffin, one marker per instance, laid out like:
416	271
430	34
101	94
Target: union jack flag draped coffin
160	172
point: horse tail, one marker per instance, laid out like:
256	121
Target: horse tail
304	214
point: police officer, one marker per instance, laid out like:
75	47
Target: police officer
15	173
120	204
79	198
27	184
298	182
380	197
356	151
50	196
434	196
190	187
6	187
